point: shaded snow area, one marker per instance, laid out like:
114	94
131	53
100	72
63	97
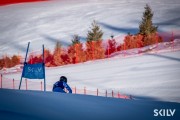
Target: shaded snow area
58	20
33	105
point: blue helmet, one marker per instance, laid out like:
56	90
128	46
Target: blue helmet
63	79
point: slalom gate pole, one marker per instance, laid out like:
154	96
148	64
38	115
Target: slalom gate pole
84	90
93	49
44	70
75	89
112	93
41	85
13	84
97	92
24	65
1	80
106	93
118	94
26	83
108	51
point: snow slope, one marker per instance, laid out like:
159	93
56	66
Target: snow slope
57	20
151	76
33	105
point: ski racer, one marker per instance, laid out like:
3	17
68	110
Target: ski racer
61	84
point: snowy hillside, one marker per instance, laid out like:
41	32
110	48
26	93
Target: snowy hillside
57	20
150	75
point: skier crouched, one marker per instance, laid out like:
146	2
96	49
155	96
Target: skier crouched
61	84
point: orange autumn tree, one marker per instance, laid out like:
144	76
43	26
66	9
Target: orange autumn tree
133	41
2	63
75	51
15	60
48	57
57	60
152	39
94	48
8	62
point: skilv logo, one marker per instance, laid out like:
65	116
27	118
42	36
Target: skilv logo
164	112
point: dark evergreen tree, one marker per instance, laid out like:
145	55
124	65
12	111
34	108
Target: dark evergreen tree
94	49
95	33
146	27
76	39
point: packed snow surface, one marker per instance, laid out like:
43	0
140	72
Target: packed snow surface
33	105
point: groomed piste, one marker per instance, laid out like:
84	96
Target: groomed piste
34	105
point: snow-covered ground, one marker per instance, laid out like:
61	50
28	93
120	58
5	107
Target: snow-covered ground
33	105
149	75
57	20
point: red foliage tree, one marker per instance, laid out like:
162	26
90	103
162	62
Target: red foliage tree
111	48
65	58
48	57
35	59
2	63
119	47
